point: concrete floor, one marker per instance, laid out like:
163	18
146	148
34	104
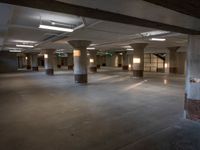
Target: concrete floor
113	112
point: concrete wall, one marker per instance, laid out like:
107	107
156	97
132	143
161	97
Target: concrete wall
8	62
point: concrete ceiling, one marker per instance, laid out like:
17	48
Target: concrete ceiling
21	24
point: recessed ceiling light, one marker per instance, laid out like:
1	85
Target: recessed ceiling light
158	39
15	51
27	46
90	48
129	49
55	28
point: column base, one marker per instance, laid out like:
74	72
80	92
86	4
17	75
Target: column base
49	72
70	67
138	73
125	67
59	66
192	109
173	70
93	69
28	67
98	66
80	78
119	65
34	68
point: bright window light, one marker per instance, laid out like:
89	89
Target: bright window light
90	48
27	46
158	39
55	28
136	60
45	55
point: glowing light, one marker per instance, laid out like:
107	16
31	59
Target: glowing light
166	65
136	60
77	53
55	28
91	60
15	51
158	39
26	58
27	46
46	56
90	48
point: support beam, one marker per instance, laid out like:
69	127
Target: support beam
52	5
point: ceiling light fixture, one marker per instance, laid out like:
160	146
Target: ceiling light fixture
26	46
15	51
55	28
158	39
90	48
129	49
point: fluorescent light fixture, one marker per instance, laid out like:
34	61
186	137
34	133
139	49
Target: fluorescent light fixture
24	41
55	28
45	55
158	39
152	33
136	60
90	48
129	49
15	51
27	46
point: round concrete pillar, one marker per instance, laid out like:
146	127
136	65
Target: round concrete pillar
93	61
49	62
34	61
125	61
138	59
80	60
70	63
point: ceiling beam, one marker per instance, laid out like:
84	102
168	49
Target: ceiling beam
188	7
55	6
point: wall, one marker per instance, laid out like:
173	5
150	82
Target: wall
8	62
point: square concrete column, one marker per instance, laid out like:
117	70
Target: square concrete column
173	59
28	61
138	59
125	61
34	61
93	61
192	97
80	60
49	61
99	61
70	61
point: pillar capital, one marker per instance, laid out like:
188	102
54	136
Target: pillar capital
79	44
138	45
